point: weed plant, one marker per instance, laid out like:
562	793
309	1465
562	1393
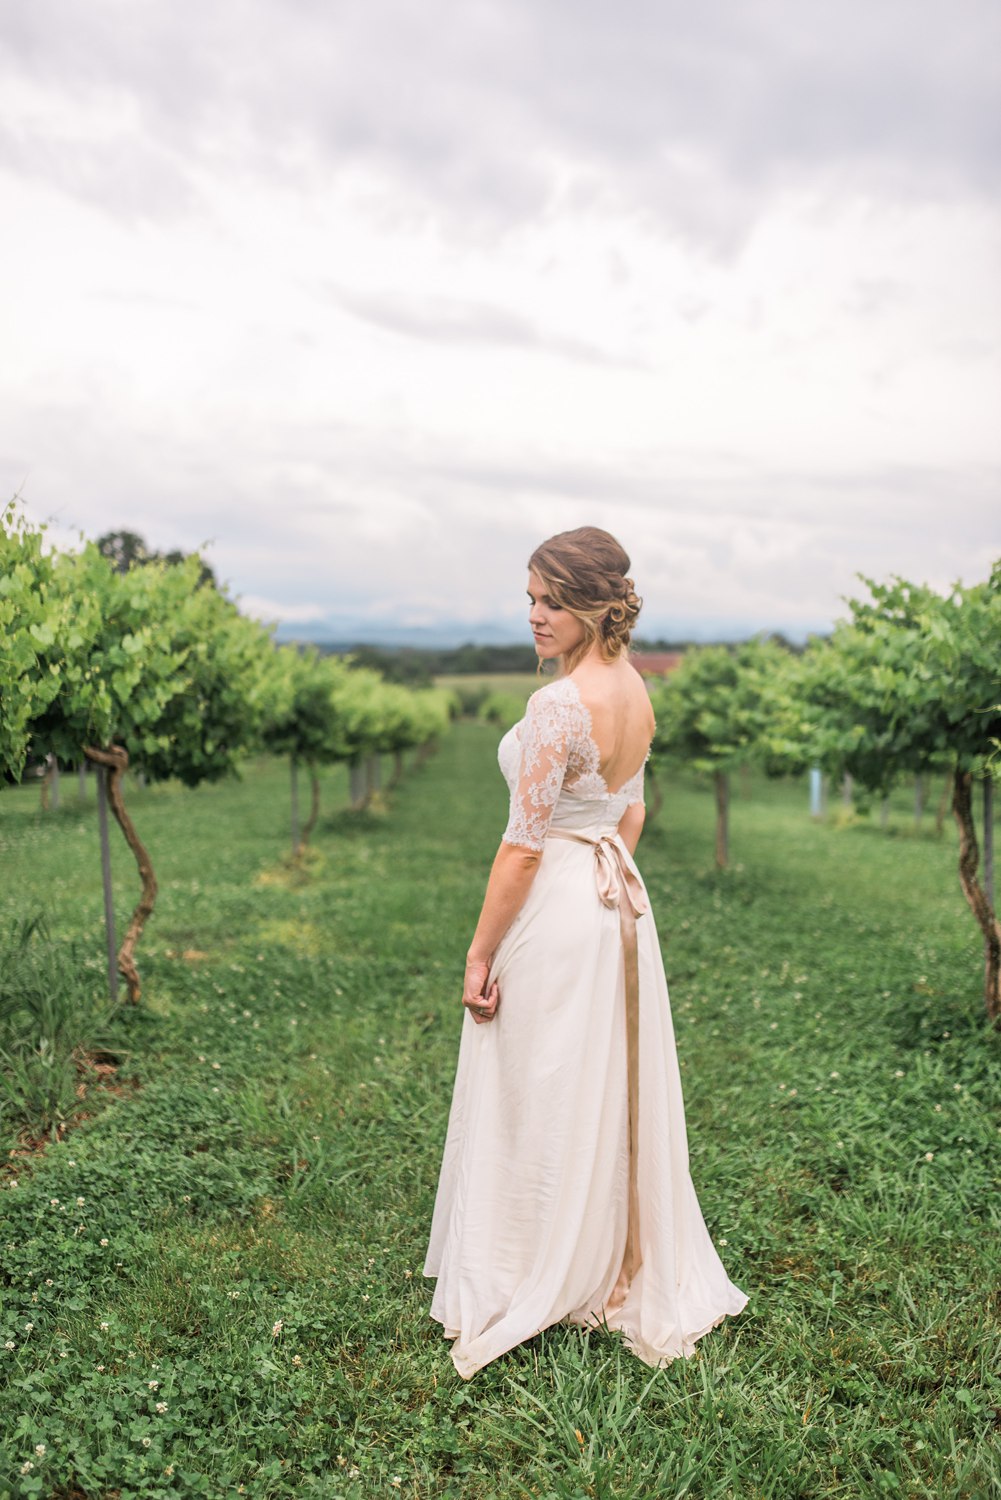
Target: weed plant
58	1032
212	1286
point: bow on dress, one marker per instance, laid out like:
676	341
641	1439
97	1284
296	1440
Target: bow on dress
620	887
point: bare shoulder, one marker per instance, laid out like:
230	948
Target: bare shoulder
614	692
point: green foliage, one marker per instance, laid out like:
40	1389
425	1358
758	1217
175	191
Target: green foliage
405	666
27	631
224	690
127	549
909	684
724	707
151	659
502	709
305	721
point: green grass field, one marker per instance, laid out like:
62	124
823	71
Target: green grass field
211	1284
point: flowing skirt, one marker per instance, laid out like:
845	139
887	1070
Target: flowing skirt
531	1214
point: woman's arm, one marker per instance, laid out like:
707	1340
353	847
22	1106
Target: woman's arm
510	882
631	825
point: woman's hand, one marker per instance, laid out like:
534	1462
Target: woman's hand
481	1006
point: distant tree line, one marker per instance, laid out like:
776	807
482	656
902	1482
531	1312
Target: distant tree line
417	666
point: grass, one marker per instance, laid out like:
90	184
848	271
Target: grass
236	1234
518	684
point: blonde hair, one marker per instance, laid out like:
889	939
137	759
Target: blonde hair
585	572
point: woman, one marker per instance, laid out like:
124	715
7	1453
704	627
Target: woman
564	1189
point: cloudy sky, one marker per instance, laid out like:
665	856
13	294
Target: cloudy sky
373	295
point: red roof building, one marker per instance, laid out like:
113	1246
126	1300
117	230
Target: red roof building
655	663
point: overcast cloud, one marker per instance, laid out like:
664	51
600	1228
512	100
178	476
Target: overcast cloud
373	296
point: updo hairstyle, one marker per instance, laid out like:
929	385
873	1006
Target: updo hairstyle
585	572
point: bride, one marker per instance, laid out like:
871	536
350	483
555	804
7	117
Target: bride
564	1190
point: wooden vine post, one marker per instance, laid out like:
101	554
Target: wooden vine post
109	904
314	802
293	766
976	896
114	762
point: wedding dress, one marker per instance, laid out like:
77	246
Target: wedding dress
564	1190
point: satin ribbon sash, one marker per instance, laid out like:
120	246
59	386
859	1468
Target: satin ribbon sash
620	887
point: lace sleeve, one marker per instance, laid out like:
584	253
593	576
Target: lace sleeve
546	735
634	787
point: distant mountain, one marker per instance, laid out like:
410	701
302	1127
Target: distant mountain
344	633
341	634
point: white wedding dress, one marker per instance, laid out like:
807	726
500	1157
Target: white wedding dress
562	1194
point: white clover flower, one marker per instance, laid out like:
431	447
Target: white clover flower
10	1344
40	1450
835	1075
297	1359
53	1202
28	1327
161	1407
105	1327
27	1466
217	1065
929	1156
898	1072
49	1281
146	1442
80	1202
105	1243
277	1328
99	1367
153	1384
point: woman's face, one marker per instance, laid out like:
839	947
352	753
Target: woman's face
556	630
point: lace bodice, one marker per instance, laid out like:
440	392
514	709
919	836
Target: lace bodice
550	763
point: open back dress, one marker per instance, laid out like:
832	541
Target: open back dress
565	1191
